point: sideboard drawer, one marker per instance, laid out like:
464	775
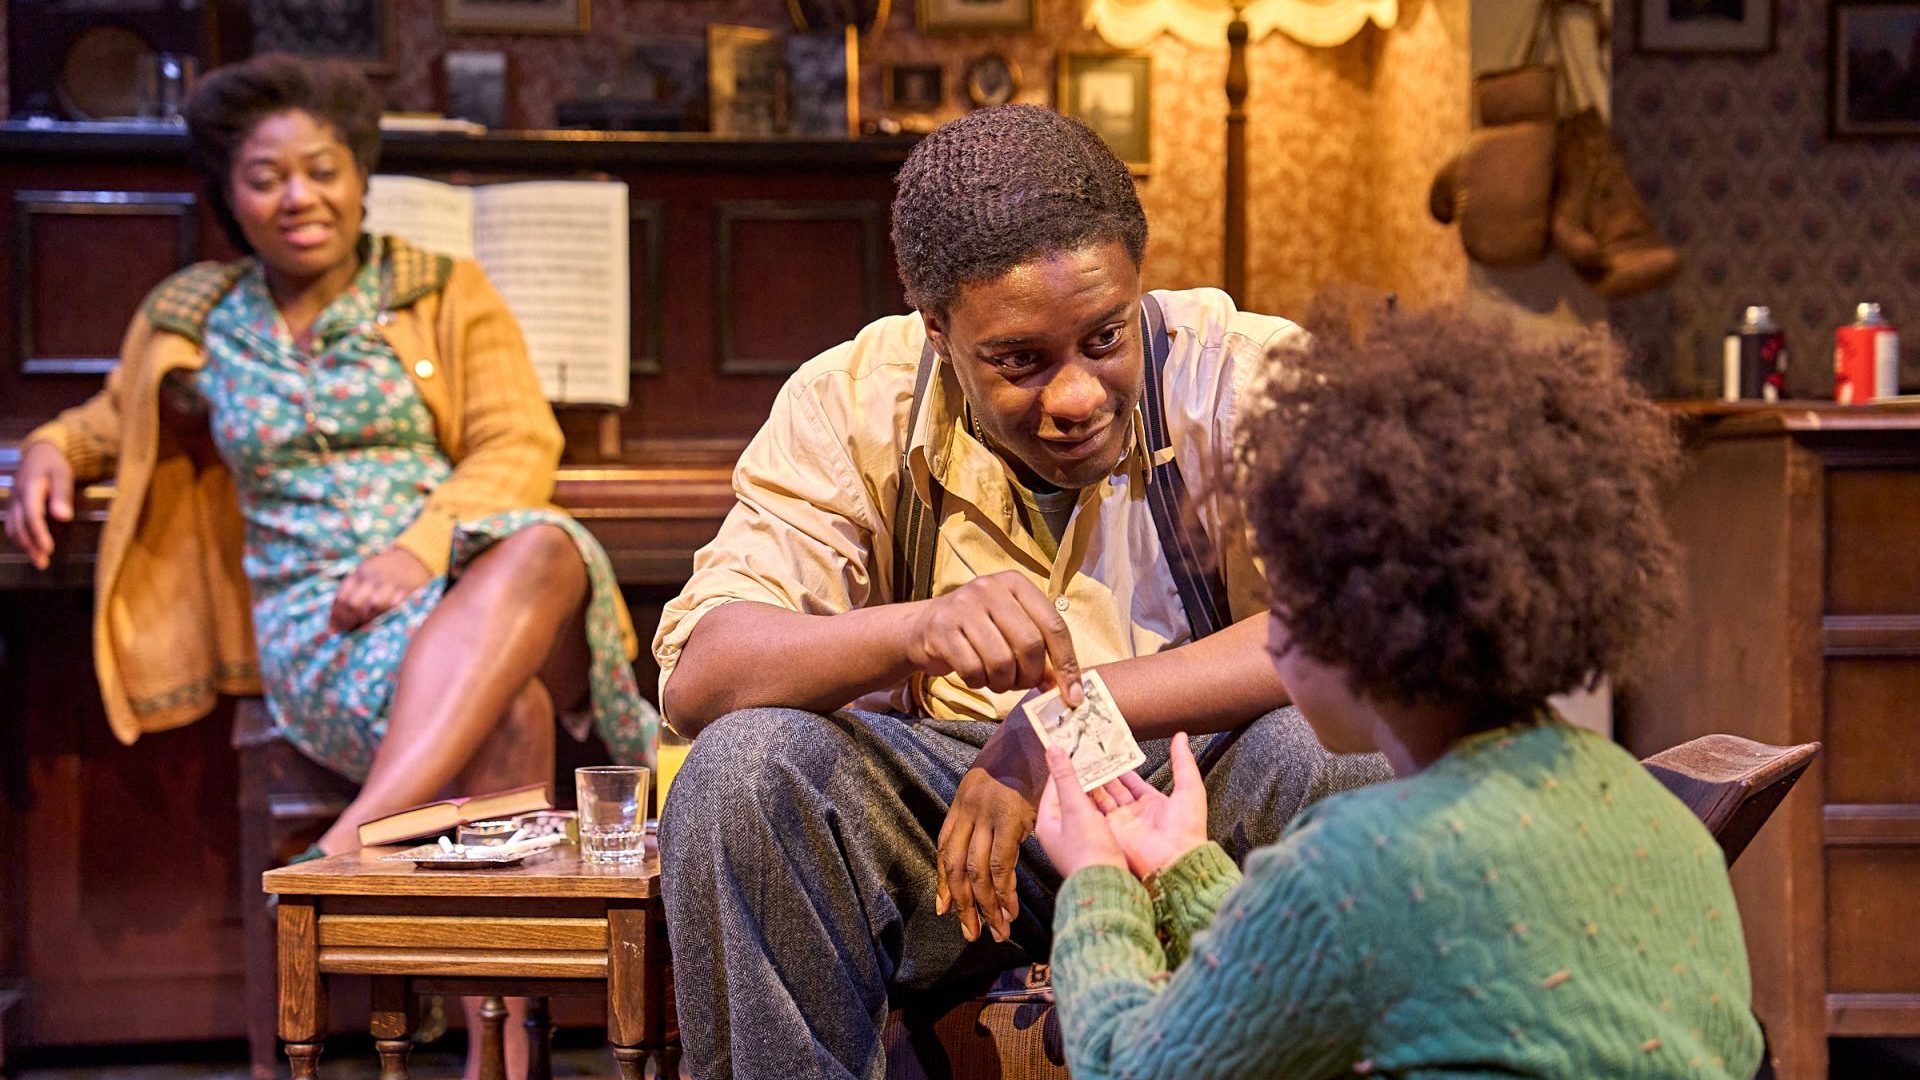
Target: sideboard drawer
1873	542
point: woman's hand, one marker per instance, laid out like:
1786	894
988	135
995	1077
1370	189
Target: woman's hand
1154	830
376	587
42	487
1071	828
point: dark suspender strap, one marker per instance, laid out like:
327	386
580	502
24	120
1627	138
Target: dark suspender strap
1203	592
916	525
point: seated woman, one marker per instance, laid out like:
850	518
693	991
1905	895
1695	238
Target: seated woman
355	422
1457	520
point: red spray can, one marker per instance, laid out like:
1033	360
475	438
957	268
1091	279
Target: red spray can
1866	358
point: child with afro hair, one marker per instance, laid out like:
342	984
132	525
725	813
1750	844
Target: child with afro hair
1457	519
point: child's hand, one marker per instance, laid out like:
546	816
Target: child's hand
1152	829
1071	828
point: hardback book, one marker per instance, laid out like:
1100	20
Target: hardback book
556	250
443	814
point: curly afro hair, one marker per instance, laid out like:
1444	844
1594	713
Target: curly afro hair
1001	186
231	101
1457	511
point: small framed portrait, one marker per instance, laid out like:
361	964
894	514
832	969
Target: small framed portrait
914	87
357	30
514	16
972	16
992	80
1112	93
476	81
1705	26
745	66
1875	71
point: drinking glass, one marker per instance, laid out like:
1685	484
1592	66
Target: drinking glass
673	751
613	801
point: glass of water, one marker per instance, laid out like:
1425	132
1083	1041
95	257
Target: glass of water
613	800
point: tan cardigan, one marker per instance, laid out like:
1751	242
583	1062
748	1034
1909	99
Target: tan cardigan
172	624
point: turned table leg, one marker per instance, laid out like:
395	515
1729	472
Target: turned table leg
303	993
493	1045
392	1025
539	1040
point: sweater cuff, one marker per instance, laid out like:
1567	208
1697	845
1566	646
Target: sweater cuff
1187	893
1099	888
430	539
89	458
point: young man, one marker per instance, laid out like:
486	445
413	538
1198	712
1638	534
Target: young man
852	825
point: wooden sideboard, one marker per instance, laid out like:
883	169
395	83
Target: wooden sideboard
1800	527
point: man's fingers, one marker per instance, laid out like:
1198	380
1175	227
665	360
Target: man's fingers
1005	858
953	871
1025	641
960	656
996	659
1053	628
981	903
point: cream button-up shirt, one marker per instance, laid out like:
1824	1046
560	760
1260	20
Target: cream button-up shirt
812	529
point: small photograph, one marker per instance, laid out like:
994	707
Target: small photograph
823	88
357	30
992	80
914	87
969	16
476	81
1875	69
1705	26
515	16
744	69
1112	93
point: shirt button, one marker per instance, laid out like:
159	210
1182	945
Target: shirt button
423	368
383	318
1060	603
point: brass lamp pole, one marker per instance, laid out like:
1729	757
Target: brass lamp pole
1236	223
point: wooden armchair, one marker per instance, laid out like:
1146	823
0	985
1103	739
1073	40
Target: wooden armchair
1011	1031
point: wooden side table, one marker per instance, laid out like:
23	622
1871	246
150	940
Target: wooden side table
552	926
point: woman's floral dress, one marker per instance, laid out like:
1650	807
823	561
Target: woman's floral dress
333	454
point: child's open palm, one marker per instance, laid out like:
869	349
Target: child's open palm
1152	829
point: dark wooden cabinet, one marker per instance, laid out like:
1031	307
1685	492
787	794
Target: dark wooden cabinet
1800	529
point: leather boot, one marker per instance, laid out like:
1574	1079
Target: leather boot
1599	222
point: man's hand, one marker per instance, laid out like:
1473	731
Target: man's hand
992	812
999	632
376	587
42	487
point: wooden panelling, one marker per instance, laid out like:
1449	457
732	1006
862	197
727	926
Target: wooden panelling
1873	1014
1869	825
1873	518
793	279
647	282
1872	753
1870	944
85	260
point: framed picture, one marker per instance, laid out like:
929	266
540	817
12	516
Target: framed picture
823	83
357	30
992	80
744	68
1705	26
914	87
1875	69
476	82
514	16
968	16
1112	93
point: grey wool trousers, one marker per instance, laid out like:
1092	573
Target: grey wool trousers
797	852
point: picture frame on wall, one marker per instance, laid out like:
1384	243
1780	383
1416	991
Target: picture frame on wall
514	16
974	16
476	84
1725	27
823	83
745	68
915	88
358	30
1112	93
1875	69
991	79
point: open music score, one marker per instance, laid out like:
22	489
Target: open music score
556	250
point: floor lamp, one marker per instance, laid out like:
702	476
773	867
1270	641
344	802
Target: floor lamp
1133	24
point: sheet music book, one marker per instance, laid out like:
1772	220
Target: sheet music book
556	250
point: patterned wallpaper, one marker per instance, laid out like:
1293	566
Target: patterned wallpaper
1733	158
1341	141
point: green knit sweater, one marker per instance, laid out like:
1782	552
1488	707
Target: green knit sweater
1534	904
